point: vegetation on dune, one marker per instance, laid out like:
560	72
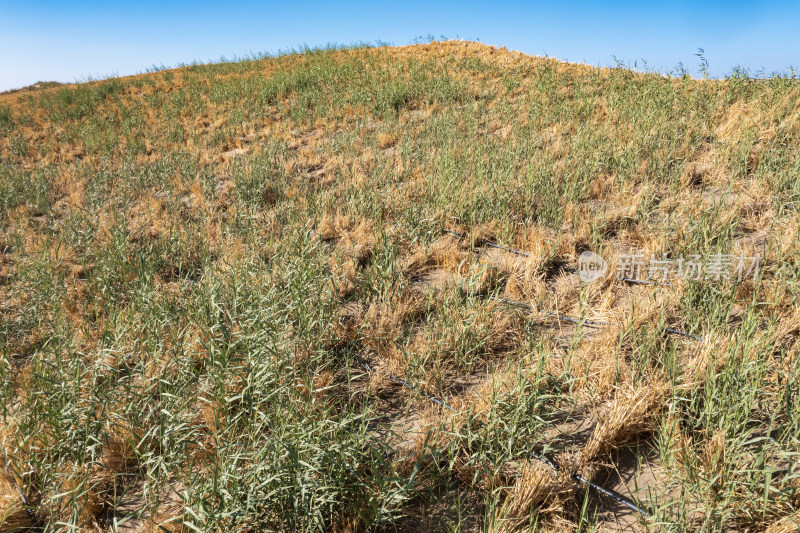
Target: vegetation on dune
213	278
35	87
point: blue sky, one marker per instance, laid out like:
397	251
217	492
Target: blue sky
68	41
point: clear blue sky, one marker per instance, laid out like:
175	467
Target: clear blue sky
68	41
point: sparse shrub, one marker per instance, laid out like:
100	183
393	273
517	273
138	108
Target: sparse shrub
6	119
